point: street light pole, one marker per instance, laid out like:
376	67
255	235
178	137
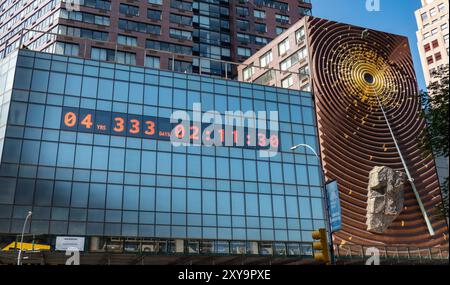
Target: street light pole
19	257
325	201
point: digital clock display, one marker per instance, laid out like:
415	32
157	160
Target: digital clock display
148	127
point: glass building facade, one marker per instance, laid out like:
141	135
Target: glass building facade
83	183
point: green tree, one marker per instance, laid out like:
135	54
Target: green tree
435	138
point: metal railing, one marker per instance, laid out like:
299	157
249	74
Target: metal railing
358	252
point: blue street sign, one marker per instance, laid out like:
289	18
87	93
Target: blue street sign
334	206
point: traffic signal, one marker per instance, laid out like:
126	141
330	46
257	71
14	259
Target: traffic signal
321	246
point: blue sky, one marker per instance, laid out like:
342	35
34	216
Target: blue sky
395	16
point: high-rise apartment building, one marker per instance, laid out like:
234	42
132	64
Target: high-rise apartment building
432	36
146	32
432	41
283	62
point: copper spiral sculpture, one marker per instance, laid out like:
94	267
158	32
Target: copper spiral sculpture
351	67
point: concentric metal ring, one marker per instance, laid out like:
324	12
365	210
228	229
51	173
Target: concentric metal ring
354	135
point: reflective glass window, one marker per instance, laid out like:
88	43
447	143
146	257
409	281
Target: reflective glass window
40	80
97	194
316	204
30	152
163	199
43	193
148	162
116	159
89	88
73	85
35	115
251	203
209	202
101	157
133	160
66	155
305	207
61	195
80	195
178	200
164	163
236	169
105	89
48	153
194	201
237	203
278	206
52	117
147	199
131	198
114	196
57	82
265	205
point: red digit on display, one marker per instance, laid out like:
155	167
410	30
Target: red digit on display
195	131
150	128
180	131
262	141
222	135
235	136
87	121
274	142
134	127
119	127
70	119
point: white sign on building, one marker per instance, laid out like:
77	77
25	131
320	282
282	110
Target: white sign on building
65	243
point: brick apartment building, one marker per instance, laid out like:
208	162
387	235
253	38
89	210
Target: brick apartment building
147	32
